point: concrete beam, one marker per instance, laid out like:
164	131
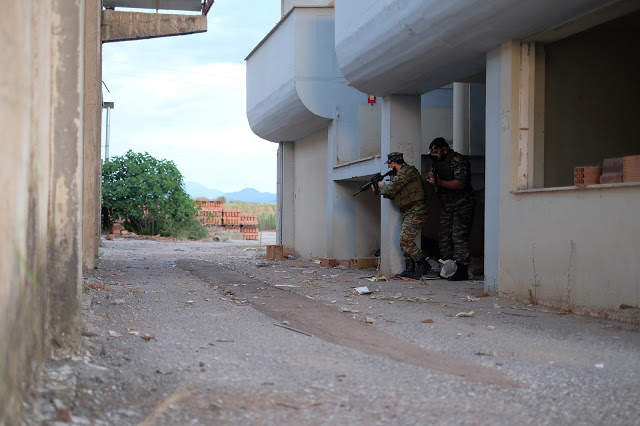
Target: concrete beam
122	26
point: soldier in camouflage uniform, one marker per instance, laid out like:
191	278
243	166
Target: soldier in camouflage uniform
407	192
452	180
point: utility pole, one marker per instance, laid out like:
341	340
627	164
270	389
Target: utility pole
108	106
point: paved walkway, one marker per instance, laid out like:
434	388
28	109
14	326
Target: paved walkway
195	333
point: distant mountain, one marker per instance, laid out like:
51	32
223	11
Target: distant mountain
195	190
251	195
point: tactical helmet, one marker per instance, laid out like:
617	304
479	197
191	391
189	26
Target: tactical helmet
396	157
438	143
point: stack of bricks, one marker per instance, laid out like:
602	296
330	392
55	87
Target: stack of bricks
249	232
230	217
249	226
212	213
613	170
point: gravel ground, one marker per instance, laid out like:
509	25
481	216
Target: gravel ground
201	333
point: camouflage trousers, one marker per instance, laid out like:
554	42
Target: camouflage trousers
455	227
411	225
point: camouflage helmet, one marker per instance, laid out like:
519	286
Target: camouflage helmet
396	157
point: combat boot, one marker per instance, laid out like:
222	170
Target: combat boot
409	269
462	273
422	268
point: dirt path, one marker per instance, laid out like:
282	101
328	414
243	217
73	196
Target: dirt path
302	313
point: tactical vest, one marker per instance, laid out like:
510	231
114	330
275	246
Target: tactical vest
412	192
443	169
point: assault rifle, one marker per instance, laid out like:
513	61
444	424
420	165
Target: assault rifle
435	175
374	181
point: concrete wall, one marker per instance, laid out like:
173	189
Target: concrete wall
310	189
563	246
370	117
367	224
50	165
591	99
24	170
41	103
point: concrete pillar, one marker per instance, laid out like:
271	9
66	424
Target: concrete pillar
285	215
64	277
92	136
461	118
25	95
400	131
503	83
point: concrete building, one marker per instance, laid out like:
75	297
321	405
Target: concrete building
530	90
50	169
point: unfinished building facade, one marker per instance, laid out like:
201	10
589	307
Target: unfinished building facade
530	91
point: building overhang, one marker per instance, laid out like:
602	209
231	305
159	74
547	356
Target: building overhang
430	43
293	76
186	5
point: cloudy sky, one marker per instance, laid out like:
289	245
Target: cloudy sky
183	99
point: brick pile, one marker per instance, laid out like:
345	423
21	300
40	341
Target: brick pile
613	170
119	231
213	214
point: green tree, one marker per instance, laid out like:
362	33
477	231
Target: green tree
149	196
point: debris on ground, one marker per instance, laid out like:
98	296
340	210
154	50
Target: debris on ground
625	306
99	287
566	311
377	279
362	290
448	268
466	314
293	329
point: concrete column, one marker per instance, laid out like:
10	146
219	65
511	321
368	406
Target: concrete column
64	278
25	95
285	217
461	118
400	131
92	135
503	83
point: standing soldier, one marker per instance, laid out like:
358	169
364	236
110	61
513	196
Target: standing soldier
407	192
452	178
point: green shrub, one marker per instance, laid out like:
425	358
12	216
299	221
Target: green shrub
266	221
148	195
